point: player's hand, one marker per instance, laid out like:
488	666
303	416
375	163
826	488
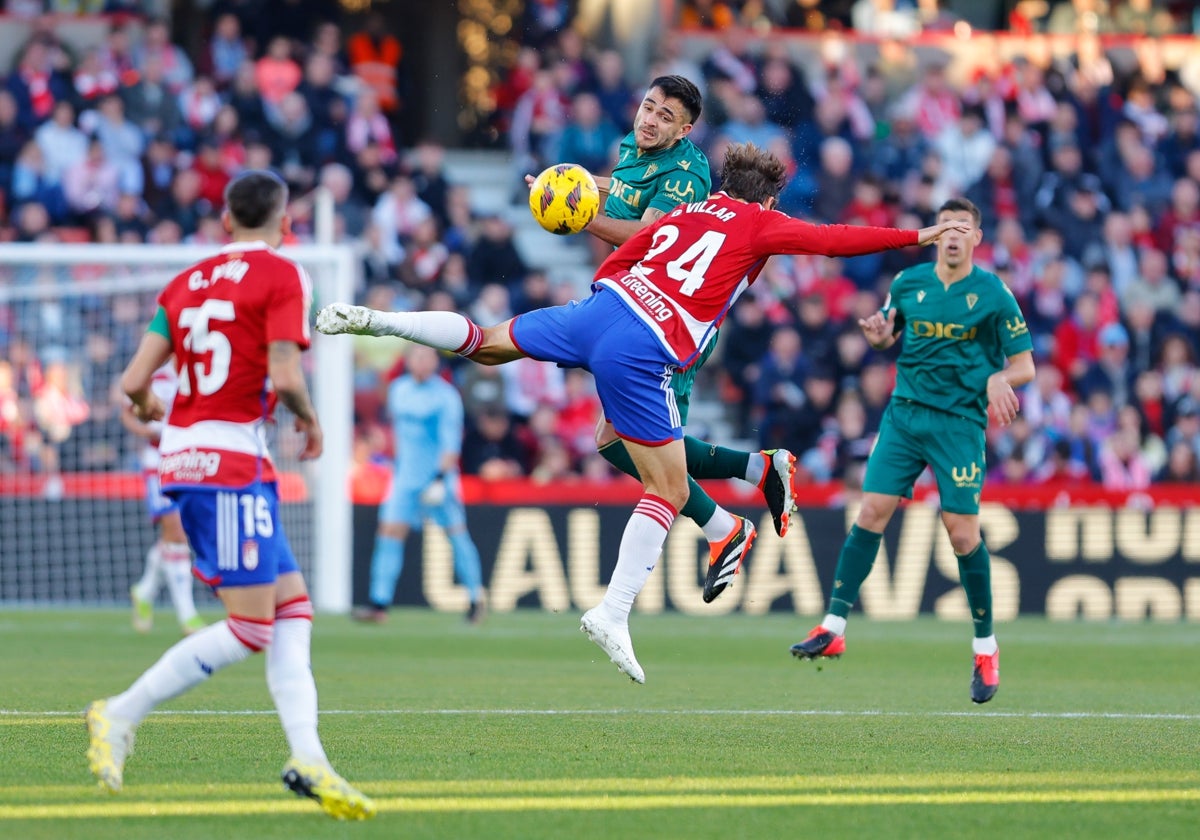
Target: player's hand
929	235
1002	400
529	179
314	443
879	329
149	409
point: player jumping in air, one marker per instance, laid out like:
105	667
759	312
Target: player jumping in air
657	303
236	324
959	324
659	168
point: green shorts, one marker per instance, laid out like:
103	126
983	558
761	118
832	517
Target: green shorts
683	380
912	436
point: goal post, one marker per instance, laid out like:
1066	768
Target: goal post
73	528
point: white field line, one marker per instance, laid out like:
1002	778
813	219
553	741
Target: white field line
849	713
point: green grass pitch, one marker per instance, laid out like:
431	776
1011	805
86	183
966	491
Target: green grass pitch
521	729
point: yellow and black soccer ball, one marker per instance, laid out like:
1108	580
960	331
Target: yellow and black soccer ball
564	198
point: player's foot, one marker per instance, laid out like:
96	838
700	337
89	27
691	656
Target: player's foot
192	625
338	318
337	797
369	615
985	679
726	558
477	612
820	643
143	612
614	640
110	741
779	487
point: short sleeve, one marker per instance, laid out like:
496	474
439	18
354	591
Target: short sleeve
159	324
287	313
1012	329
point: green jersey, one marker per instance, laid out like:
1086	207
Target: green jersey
661	179
954	338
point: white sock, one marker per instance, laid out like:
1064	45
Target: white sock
756	468
185	665
147	586
719	525
442	330
834	624
290	678
177	569
641	544
986	646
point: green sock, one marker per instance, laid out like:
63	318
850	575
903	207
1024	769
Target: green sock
700	507
854	564
707	460
975	572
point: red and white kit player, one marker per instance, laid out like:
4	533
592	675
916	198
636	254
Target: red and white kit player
236	324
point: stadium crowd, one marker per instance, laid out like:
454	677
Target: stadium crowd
1086	168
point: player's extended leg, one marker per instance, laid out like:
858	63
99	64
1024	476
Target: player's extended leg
177	571
729	536
854	564
191	661
975	573
664	478
294	691
447	331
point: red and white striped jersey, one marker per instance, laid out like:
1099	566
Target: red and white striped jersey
222	314
681	274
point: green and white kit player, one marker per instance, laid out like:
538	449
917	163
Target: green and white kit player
959	324
658	169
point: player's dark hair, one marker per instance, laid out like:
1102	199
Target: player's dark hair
751	174
962	205
677	87
256	197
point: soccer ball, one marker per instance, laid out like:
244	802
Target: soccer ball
564	198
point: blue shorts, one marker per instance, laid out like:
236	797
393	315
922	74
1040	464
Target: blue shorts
236	535
157	504
633	371
403	506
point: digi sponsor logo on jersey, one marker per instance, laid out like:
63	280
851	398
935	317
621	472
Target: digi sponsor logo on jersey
935	329
234	270
190	465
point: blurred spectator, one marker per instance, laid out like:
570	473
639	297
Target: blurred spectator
226	49
397	214
277	74
368	125
376	58
612	92
1122	465
62	144
835	180
779	393
1112	373
491	449
706	14
156	43
427	165
123	142
149	103
31	186
294	141
37	83
494	257
92	80
92	185
589	137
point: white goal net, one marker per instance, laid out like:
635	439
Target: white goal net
73	523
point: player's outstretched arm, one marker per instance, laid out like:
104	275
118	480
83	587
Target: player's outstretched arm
784	235
152	352
283	366
1002	399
